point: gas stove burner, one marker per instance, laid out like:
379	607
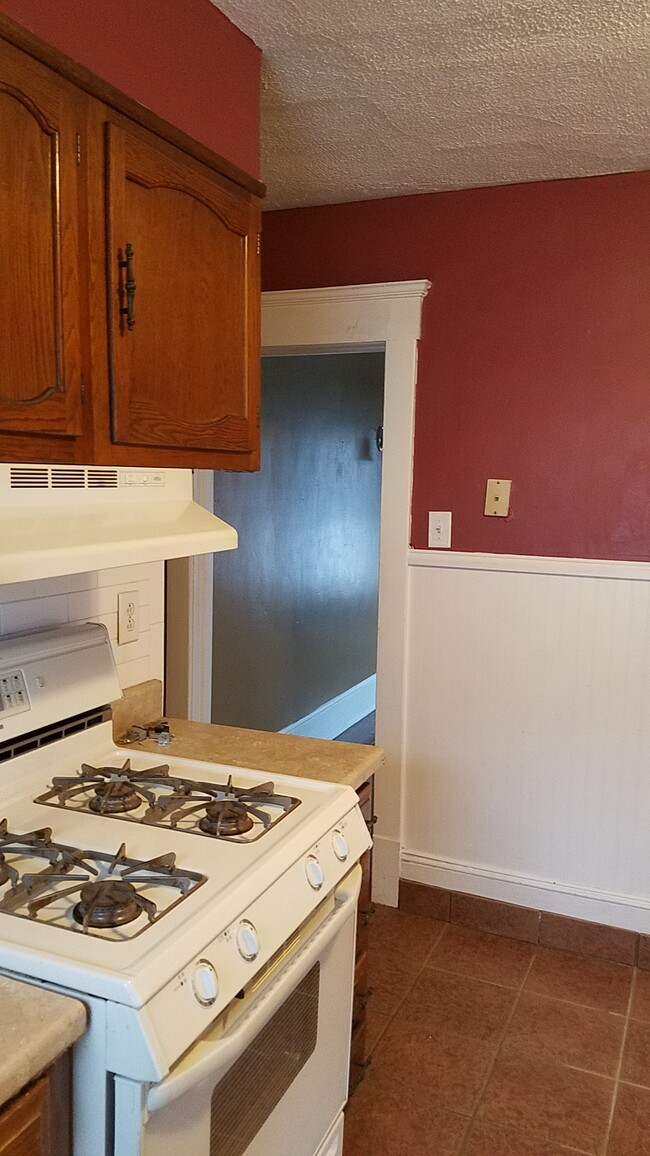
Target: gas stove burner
110	903
226	819
87	891
115	797
107	790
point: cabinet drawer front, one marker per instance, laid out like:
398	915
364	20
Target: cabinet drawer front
40	368
186	374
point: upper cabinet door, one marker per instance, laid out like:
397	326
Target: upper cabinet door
40	347
183	302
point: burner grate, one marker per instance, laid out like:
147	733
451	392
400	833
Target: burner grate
156	798
105	895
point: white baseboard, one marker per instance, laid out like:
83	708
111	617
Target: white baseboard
335	716
615	910
385	870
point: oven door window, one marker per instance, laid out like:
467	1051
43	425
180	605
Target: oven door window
256	1083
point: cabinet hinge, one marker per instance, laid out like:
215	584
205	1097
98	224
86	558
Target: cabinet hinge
259	243
78	148
83	388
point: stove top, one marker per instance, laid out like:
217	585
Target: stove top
215	810
119	879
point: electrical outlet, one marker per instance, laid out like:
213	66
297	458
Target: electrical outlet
440	529
128	616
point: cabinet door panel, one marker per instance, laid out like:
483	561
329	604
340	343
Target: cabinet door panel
186	374
40	366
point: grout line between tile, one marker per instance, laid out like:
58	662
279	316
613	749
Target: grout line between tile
495	1057
407	991
619	1067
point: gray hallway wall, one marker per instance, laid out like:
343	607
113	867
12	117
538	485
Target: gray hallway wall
295	607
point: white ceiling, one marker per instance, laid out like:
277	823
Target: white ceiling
375	98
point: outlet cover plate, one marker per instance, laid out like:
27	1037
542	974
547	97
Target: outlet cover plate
128	616
497	498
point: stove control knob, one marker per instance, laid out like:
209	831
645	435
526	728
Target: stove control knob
314	873
340	846
247	942
204	983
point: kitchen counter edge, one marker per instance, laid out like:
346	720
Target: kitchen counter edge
38	1027
267	751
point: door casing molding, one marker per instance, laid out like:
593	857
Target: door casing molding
349	319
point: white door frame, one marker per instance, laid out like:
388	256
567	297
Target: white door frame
348	319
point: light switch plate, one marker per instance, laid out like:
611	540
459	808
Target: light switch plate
497	498
440	529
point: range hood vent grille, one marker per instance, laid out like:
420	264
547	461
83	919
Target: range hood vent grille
63	478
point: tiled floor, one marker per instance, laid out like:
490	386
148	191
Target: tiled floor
487	1046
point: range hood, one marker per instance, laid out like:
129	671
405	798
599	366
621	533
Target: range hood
71	519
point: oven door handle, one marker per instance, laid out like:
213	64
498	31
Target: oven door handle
214	1057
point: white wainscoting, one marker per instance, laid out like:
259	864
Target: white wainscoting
92	597
527	732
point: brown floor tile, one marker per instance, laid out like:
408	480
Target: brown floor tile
585	981
496	918
641	996
644	951
418	899
448	1068
487	1140
399	933
550	1100
376	1025
455	1004
596	940
630	1135
481	956
391	977
636	1057
398	1120
581	1037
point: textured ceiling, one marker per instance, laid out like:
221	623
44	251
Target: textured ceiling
375	98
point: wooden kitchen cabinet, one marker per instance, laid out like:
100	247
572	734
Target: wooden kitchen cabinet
37	1122
186	374
40	290
89	179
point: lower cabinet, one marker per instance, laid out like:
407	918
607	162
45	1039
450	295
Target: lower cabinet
362	992
37	1122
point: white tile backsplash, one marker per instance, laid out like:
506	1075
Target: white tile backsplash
93	597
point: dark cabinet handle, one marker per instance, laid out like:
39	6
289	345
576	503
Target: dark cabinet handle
129	286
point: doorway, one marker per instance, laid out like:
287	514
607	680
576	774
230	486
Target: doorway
363	317
295	606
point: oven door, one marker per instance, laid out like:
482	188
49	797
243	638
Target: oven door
275	1081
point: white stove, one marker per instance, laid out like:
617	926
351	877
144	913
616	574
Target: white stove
178	899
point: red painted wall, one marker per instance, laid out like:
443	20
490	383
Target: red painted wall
181	58
535	353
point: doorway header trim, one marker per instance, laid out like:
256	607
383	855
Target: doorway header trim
356	314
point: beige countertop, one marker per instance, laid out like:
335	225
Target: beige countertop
265	751
37	1027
